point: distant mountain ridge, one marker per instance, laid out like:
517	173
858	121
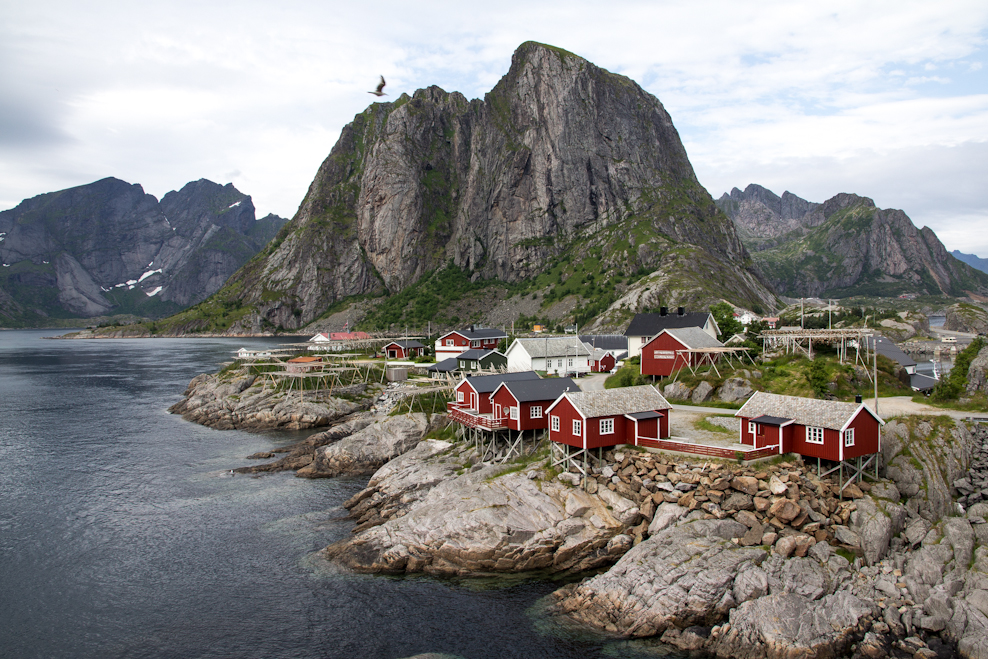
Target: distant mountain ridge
562	162
972	260
843	247
110	248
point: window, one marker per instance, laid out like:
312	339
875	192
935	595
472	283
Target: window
463	364
607	426
559	363
475	344
570	364
814	435
554	423
535	412
752	428
849	437
459	396
513	412
449	342
577	427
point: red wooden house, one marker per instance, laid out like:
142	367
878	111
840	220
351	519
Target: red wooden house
457	341
813	428
404	349
592	419
522	404
602	361
673	349
471	404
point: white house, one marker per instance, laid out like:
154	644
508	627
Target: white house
559	355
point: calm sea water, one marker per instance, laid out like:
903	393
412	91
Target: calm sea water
121	534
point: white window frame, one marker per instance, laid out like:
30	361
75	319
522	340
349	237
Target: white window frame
607	426
535	412
570	363
752	428
814	435
849	437
513	412
459	396
578	427
554	423
449	342
463	364
475	344
559	363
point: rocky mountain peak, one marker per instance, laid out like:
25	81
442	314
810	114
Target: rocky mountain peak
559	151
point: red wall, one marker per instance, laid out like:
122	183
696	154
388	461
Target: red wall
566	413
661	367
866	434
769	438
604	364
524	420
484	400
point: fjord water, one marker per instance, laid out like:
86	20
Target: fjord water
122	533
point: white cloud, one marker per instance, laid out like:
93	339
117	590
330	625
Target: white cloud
799	94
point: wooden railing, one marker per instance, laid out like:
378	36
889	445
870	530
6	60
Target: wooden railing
703	449
474	420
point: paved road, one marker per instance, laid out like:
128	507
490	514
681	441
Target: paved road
593	382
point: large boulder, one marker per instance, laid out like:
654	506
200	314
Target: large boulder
735	390
681	577
676	391
977	373
873	528
365	451
702	392
789	625
487	521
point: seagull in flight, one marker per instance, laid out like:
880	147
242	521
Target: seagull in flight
380	87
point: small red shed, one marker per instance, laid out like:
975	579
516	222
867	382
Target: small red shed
827	429
457	341
673	349
592	419
522	404
404	349
602	361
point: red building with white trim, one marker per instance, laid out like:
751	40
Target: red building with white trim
403	349
593	419
827	429
523	404
471	404
453	343
673	349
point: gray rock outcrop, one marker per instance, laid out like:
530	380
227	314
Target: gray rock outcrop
365	451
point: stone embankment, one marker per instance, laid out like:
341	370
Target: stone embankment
236	400
916	584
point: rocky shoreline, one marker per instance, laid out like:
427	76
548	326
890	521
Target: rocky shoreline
760	560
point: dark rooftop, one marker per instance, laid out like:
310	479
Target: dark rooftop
485	384
548	389
650	324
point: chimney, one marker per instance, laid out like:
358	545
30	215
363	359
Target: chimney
663	311
857	399
682	311
471	328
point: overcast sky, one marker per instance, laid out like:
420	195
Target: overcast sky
884	99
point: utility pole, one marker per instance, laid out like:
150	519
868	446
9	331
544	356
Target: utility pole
800	313
830	308
875	339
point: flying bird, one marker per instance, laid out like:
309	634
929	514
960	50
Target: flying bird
380	87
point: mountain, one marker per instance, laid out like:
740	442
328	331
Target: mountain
764	219
110	248
561	163
843	247
975	262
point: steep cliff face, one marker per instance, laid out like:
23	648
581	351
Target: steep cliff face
559	154
108	247
845	246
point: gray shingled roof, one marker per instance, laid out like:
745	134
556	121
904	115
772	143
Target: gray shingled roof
445	366
694	338
626	400
831	414
890	350
563	346
485	384
548	389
